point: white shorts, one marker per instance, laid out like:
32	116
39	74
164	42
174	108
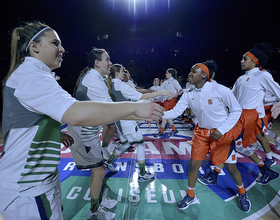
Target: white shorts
90	156
132	138
126	126
86	150
45	206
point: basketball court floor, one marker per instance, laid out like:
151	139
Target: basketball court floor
169	158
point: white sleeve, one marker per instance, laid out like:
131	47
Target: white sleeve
269	84
234	110
177	85
163	85
43	95
96	90
128	92
234	88
179	108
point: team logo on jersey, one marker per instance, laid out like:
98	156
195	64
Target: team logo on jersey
248	79
264	128
238	143
210	102
270	123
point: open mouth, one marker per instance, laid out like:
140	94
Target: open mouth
60	56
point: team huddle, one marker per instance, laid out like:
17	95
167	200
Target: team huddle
106	99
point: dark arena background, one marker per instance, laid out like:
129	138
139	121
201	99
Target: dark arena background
147	37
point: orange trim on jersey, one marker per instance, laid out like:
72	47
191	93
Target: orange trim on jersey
255	59
204	69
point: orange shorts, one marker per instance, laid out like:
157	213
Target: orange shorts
220	150
241	133
248	119
168	105
261	127
160	103
268	119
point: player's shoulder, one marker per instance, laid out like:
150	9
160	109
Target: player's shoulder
219	88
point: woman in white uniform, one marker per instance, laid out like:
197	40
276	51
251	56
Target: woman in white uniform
34	107
156	87
87	150
128	130
217	112
170	84
249	90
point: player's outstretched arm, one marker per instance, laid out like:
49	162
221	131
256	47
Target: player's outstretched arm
88	113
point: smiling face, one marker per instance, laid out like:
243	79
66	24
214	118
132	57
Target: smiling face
103	66
49	50
247	63
197	77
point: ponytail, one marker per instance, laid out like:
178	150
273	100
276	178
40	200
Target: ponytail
21	37
113	70
110	87
84	71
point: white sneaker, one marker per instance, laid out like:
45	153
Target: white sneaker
146	177
110	167
101	214
277	145
108	202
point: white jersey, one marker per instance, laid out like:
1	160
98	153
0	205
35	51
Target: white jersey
126	91
34	104
91	87
250	88
188	87
171	85
214	106
158	98
131	84
269	99
122	92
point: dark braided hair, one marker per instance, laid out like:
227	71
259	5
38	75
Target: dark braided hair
262	51
212	66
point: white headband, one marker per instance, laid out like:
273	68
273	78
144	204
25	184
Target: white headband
36	35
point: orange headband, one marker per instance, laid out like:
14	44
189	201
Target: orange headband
255	59
204	69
